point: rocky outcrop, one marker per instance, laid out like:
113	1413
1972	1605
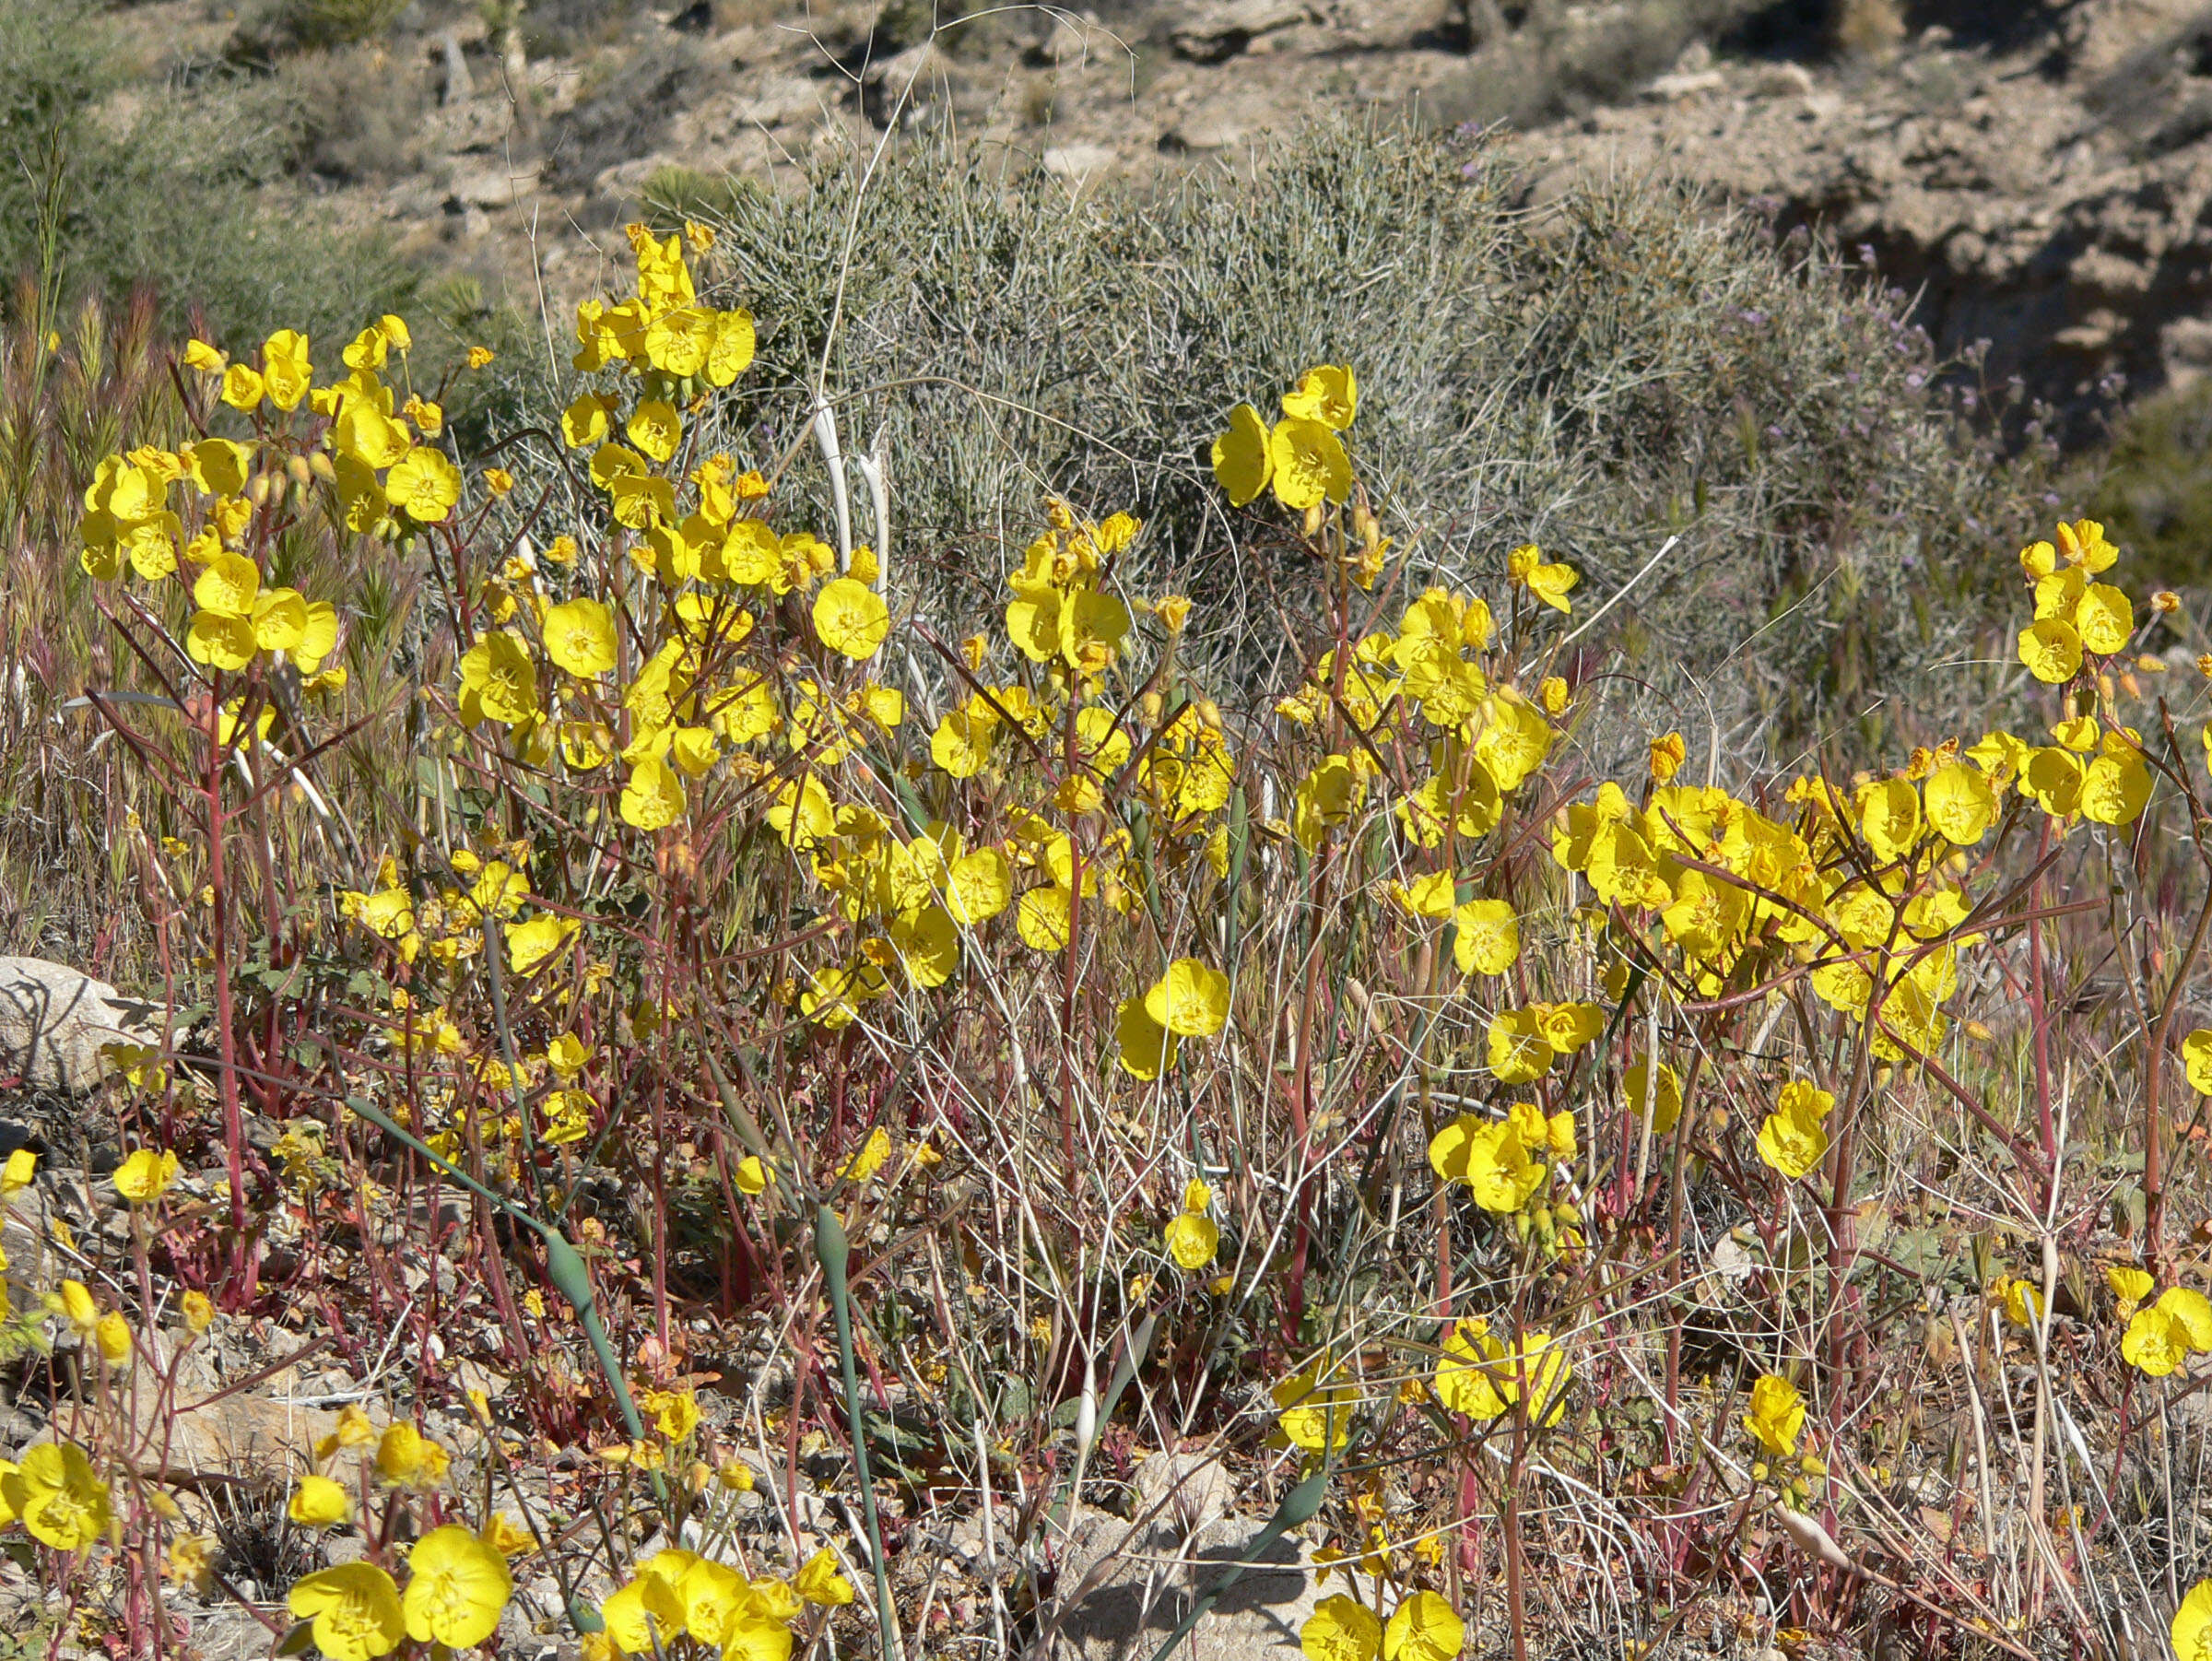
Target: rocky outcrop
2045	186
2037	171
54	1021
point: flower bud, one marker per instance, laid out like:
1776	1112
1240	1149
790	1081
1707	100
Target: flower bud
257	489
114	1335
75	1306
297	467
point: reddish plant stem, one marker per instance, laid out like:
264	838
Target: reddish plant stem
1301	1111
2154	1079
2038	1017
1677	1202
1075	936
1516	1606
238	1288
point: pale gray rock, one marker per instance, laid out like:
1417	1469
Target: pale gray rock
54	1020
1189	1490
1221	31
1144	1591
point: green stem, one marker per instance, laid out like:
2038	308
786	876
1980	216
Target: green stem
830	1246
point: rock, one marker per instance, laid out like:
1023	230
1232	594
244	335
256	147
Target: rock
2185	347
458	87
1189	1490
490	187
1784	80
1208	129
1143	1595
54	1020
780	101
465	224
1221	33
903	85
1077	162
27	1241
1692	84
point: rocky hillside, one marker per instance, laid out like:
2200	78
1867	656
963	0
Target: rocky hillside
2040	170
2044	182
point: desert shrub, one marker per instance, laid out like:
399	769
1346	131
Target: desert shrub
273	28
2154	483
1632	367
352	113
167	197
674	195
557	28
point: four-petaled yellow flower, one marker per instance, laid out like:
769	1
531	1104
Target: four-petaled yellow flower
424	485
2192	1628
819	1581
873	1152
1424	1626
16	1170
1341	1629
1777	1415
851	619
1242	462
55	1494
355	1609
457	1587
1549	584
1193	1237
1316	1406
1518	1049
1793	1140
1190	1000
580	638
1664	1094
2160	1338
405	1457
1309	465
146	1175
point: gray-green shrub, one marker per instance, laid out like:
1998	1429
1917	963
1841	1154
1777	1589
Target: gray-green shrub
1629	366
